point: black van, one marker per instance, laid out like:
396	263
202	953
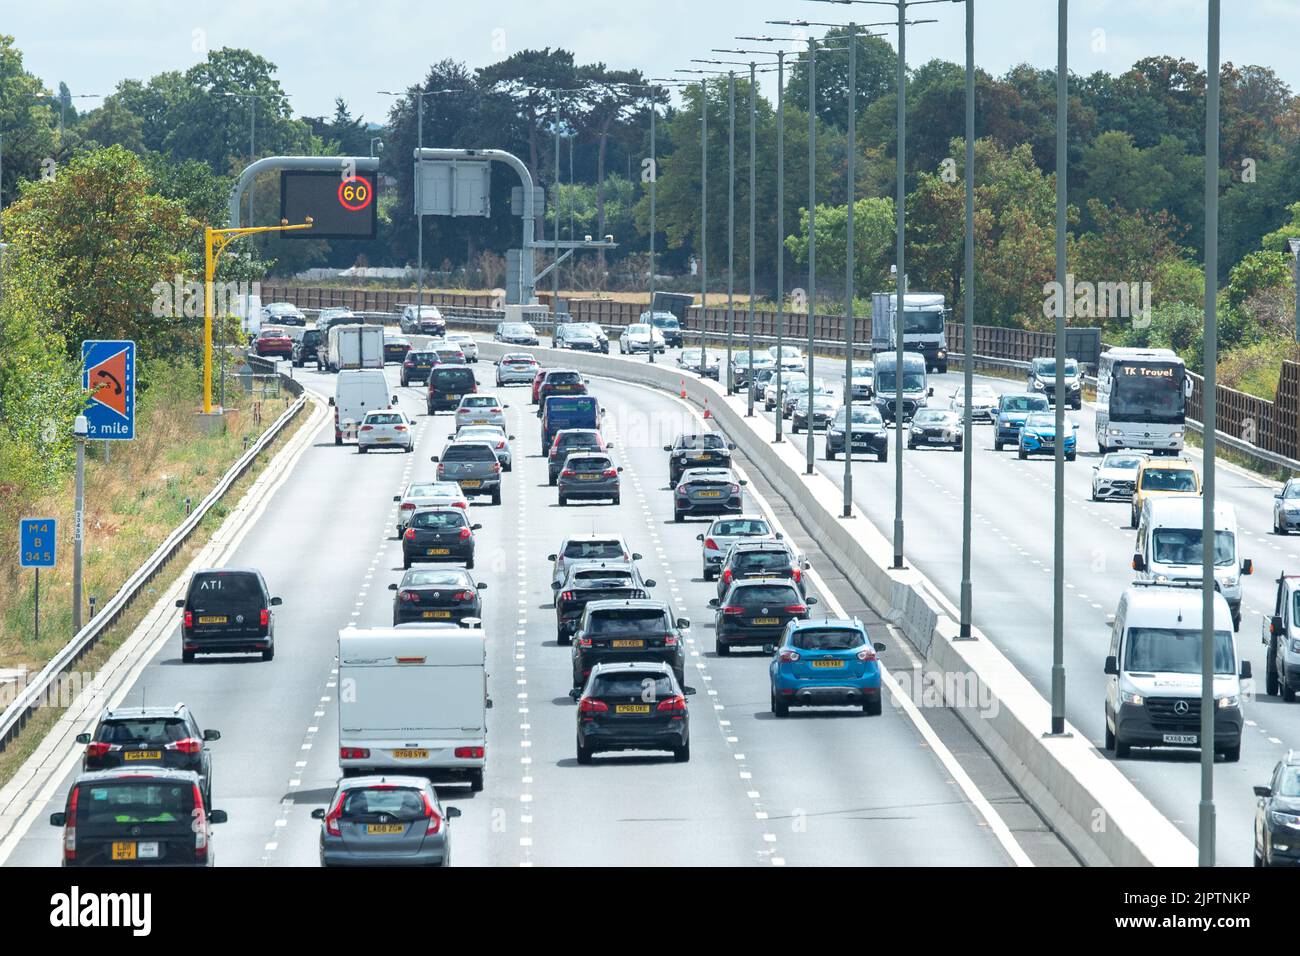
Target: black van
447	385
228	610
144	817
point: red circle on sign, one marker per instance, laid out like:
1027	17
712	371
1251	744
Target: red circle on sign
356	194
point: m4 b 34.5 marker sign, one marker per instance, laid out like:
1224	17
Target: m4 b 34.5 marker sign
109	376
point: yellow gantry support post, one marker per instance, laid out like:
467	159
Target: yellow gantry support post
214	243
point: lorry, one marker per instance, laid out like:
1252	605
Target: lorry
413	699
354	347
923	326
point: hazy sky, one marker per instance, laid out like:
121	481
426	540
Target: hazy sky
329	48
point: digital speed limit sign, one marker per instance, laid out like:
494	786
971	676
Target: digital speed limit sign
340	206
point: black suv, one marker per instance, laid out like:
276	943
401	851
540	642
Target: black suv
756	611
761	559
566	442
704	450
416	366
137	817
228	610
587	581
624	631
1277	815
448	384
638	706
151	737
305	347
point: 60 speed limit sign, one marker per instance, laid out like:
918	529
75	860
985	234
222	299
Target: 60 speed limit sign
355	194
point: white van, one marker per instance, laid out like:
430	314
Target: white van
354	346
1153	667
413	698
1168	547
356	393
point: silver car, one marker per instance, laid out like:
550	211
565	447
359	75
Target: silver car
588	475
597	546
516	368
1286	507
480	409
427	494
494	434
1114	476
385	821
770	396
726	531
466	343
983	403
474	465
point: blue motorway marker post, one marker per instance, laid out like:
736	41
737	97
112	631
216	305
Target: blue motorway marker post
38	544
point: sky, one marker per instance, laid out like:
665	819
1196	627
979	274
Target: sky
330	48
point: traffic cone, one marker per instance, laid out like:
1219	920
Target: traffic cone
707	413
683	388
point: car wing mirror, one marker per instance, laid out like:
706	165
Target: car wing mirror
683	622
180	602
276	602
217	816
83	738
879	647
555	585
318	813
731	446
649	582
609	444
452	813
741	481
636	555
510	437
331	400
392	587
689	691
1139	563
1112	666
810	601
1248	566
668	447
769	649
550	557
1275	626
61	819
397	497
699	537
435	457
575	693
476	527
713	602
1245	670
1264	792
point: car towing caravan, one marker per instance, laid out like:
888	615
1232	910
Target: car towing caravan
413	699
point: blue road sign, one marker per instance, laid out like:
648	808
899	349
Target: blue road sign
38	541
109	374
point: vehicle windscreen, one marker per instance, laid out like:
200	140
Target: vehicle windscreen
448	579
739	526
862	371
1046	368
707	440
666	322
827	639
1289	785
774	594
438	520
912	381
468	451
1168	479
1183	546
1176	650
1023	403
1292	490
1126	462
593	549
134	801
226	587
1148	393
648	687
142	729
629	620
400	804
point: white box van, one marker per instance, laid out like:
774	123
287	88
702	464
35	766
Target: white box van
355	393
355	346
413	698
1168	547
1153	667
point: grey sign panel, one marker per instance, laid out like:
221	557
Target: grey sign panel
452	188
517	200
519	268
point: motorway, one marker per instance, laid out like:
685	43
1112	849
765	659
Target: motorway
818	788
1011	574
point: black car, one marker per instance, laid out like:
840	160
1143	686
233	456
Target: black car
761	559
416	366
697	450
869	434
146	816
560	381
633	707
935	426
305	347
283	313
625	631
1277	815
516	333
134	737
447	385
567	441
756	611
587	581
438	534
227	610
396	348
437	594
707	491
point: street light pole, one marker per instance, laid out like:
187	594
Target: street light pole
80	429
704	222
419	202
851	149
812	239
1294	245
1206	829
968	329
901	215
731	224
1058	504
780	316
654	180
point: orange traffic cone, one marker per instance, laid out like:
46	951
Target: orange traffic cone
683	388
707	413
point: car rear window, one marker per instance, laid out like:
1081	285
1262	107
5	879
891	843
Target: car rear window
424	491
142	729
226	585
383	418
478	401
589	464
629	620
134	801
563	378
415	579
574	438
740	526
593	549
468	451
418	357
761	561
1168	479
597	577
827	639
451	378
438	520
775	594
402	804
648	687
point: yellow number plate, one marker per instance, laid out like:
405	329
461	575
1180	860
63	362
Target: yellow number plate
472	483
710	494
437	613
124	851
480	421
631	708
766	620
215	619
827	663
589	477
384	828
411	754
439	550
142	755
627	643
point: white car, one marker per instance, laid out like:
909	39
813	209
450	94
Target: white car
428	494
770	397
478	408
637	338
466	342
1114	476
387	429
983	404
725	531
489	433
597	546
789	356
448	355
516	368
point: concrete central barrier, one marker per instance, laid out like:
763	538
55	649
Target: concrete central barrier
1098	812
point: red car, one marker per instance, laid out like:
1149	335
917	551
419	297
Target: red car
274	342
537	383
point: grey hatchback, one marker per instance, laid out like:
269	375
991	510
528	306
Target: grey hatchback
385	820
588	476
473	465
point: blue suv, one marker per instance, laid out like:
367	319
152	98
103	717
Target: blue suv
825	662
1038	436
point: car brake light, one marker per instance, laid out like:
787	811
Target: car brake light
796	574
733	609
408	596
501	444
670	640
496	411
675	704
609	473
468	753
408	506
584	642
332	818
465	533
187	746
496	467
868	653
98	749
734	489
353	753
568	473
788	656
589	706
367	428
189	619
200	826
462	595
726	576
567	596
410	534
796	608
711	545
264	617
435	821
399	428
70	829
460	504
409	364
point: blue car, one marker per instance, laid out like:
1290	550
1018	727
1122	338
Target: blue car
1038	436
1011	414
825	662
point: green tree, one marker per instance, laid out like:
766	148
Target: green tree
873	237
26	122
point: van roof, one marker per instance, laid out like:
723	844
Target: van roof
1161	606
1186	511
437	645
